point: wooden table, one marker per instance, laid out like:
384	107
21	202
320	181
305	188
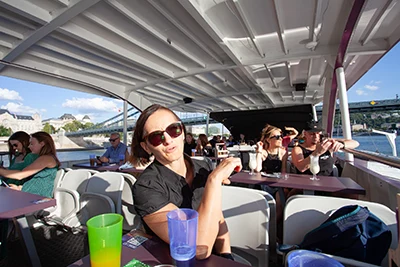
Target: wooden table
15	204
302	181
86	165
154	252
108	167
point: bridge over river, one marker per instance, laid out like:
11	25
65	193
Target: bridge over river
115	124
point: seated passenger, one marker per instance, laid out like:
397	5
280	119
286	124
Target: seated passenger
323	149
231	142
204	148
19	153
271	155
113	152
42	171
190	144
174	181
242	140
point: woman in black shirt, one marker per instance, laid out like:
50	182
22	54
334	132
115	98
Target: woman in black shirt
271	155
174	181
190	144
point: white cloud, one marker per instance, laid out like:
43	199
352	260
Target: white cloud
361	92
91	105
6	94
19	108
378	82
371	87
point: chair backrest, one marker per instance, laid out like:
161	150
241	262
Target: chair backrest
248	217
58	179
335	171
304	213
109	184
68	192
76	180
210	163
131	219
93	172
93	204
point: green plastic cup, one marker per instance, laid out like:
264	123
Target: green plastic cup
105	240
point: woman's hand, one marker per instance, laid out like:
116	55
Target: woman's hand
16	187
293	132
225	168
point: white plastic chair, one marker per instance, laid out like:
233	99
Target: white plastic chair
58	179
103	194
210	163
131	219
304	213
251	223
67	194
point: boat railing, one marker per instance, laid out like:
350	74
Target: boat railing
385	159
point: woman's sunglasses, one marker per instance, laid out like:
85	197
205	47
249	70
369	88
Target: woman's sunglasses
277	137
14	145
156	138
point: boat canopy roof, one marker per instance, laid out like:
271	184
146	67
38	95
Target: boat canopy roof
196	55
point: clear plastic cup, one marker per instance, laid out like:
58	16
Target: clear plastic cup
105	240
300	258
182	232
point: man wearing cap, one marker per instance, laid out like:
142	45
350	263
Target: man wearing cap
317	146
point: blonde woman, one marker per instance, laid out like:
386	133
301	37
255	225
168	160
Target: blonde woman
271	155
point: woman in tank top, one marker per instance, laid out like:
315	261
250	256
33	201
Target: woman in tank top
271	155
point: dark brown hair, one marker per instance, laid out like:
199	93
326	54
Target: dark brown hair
203	139
49	147
193	141
23	138
136	149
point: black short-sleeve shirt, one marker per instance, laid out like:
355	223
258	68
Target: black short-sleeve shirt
158	186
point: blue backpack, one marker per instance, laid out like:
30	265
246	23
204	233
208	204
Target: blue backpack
351	232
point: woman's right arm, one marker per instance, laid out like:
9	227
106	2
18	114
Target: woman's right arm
210	210
260	157
39	164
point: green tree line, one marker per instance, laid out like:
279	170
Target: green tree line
365	117
69	127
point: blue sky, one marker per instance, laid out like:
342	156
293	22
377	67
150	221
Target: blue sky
26	98
381	81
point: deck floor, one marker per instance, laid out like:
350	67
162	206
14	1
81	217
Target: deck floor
55	248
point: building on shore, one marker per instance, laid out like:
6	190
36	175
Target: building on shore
57	123
27	123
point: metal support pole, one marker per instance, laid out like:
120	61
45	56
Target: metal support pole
208	122
314	113
344	107
125	124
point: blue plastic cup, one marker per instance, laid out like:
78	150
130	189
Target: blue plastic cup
301	258
182	232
